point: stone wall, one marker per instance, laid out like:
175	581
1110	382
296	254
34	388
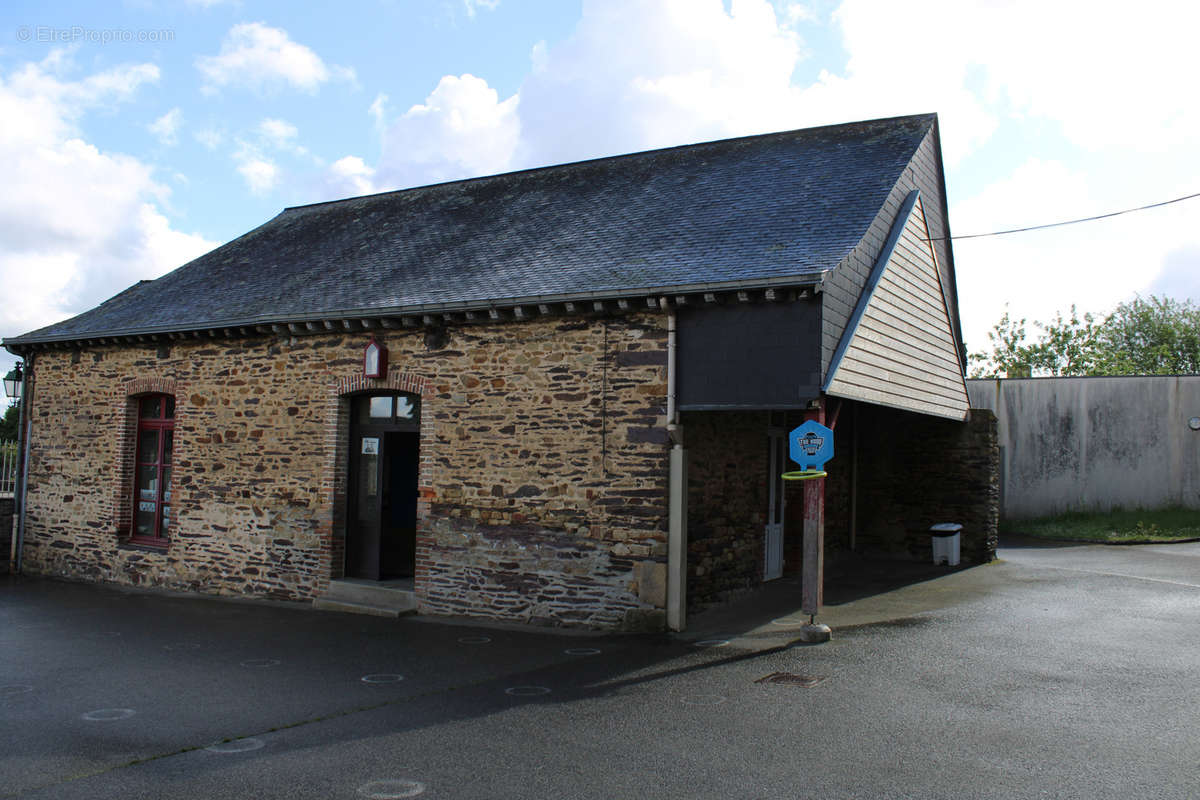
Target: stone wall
727	503
912	471
7	531
728	461
915	471
542	480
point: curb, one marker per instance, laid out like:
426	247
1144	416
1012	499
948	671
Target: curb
1126	543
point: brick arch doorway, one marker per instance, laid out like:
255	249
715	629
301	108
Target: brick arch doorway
383	481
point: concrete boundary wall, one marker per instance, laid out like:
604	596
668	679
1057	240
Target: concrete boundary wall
1094	444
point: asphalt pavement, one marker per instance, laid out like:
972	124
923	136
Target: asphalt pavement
1062	671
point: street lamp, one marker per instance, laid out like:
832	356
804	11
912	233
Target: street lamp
13	382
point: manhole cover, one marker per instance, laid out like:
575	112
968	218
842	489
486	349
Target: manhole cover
236	746
382	677
791	679
108	714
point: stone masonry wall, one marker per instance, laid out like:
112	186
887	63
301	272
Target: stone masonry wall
543	465
7	531
728	460
915	471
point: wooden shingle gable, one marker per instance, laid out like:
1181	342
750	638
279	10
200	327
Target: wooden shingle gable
899	347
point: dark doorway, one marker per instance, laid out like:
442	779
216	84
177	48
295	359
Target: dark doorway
381	525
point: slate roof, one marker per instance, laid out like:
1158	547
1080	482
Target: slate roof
739	213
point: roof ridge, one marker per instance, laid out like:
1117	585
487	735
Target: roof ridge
932	116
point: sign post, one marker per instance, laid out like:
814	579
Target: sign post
810	446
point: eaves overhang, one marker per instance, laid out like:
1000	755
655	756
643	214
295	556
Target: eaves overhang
438	314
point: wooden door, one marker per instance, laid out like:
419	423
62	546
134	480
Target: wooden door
382	484
363	535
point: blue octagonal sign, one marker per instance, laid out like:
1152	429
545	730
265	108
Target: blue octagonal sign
811	445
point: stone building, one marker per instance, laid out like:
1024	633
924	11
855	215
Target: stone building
556	395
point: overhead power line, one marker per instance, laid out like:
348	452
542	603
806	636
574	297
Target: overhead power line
1069	221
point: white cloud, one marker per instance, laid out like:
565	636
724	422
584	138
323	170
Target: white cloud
1094	265
1061	110
166	127
278	132
1180	275
211	139
349	177
462	129
684	71
43	105
256	155
1104	78
637	74
258	57
77	224
472	6
378	111
1107	77
794	13
261	174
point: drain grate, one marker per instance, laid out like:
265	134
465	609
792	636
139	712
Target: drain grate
791	679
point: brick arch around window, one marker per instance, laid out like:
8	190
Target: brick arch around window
125	412
336	460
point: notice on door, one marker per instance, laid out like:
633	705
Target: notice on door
370	447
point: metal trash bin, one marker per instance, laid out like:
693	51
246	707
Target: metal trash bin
946	543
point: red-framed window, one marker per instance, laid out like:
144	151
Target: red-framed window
152	469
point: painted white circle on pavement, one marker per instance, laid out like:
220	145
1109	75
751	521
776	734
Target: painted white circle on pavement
109	714
581	651
236	746
527	691
474	640
392	789
382	677
261	662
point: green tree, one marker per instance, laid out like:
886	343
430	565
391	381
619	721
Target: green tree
1153	336
1010	356
8	425
1067	347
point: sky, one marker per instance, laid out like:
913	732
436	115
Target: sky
136	137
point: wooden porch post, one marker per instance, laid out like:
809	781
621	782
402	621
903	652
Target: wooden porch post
813	574
812	590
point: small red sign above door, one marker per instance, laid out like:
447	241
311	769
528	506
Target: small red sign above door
374	360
